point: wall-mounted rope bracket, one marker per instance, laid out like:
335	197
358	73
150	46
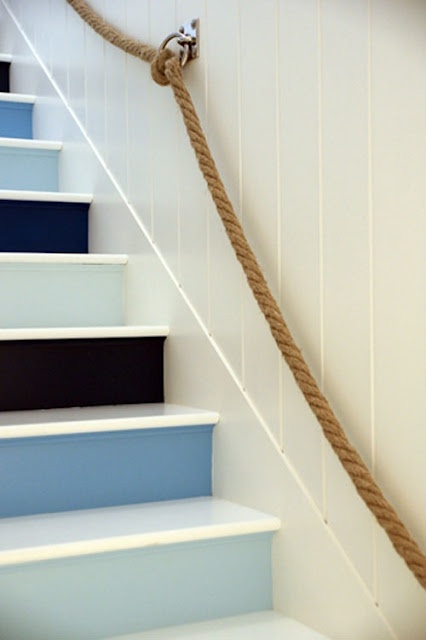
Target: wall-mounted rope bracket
188	37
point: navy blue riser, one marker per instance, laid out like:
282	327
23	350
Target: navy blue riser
63	473
43	227
16	119
95	597
4	76
44	374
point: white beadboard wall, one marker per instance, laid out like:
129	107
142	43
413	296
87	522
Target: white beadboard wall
315	111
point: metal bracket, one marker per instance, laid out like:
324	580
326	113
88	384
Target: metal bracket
188	37
190	40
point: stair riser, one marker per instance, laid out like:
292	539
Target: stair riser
43	227
110	594
51	295
80	372
48	474
29	169
16	119
4	76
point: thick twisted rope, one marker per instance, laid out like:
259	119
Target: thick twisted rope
165	69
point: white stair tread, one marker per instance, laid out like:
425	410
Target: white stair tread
265	625
45	196
23	143
62	258
63	333
16	97
24	424
92	531
5	57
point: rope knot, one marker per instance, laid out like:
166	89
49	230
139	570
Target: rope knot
158	67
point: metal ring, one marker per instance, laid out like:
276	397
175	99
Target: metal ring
166	41
183	41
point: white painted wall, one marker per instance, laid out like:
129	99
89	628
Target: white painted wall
315	110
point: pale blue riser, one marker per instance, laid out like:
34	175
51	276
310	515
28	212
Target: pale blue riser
16	119
94	597
28	169
65	473
37	295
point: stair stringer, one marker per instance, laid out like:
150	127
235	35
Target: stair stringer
318	578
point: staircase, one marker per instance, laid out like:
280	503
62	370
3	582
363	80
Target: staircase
108	525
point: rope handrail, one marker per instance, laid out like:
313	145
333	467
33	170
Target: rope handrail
165	70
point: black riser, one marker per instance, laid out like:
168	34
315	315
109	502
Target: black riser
4	76
43	374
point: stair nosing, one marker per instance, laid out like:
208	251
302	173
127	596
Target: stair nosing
30	143
82	420
17	97
5	57
63	258
63	333
188	521
45	196
270	624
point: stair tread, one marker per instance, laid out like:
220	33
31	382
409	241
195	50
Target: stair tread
24	143
62	258
5	57
254	626
24	424
64	333
45	196
16	97
74	533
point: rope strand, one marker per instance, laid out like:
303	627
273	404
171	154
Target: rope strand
166	69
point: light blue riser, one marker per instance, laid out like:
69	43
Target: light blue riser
58	295
28	169
95	597
16	119
65	473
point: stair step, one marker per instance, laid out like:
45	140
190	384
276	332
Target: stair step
98	573
265	625
43	222
5	61
29	164
16	115
86	366
78	420
124	455
68	333
61	290
54	536
45	196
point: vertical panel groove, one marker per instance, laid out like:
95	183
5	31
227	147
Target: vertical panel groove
240	182
126	106
321	249
208	202
279	206
371	297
